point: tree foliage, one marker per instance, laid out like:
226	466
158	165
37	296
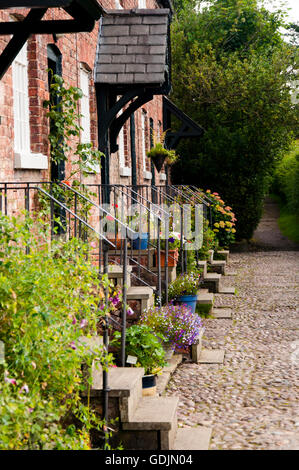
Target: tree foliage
233	73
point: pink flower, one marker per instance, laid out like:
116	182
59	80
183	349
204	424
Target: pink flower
83	323
109	217
74	321
130	311
93	244
10	381
30	410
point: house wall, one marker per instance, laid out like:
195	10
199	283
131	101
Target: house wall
76	49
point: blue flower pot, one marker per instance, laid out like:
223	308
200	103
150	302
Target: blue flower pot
141	242
189	301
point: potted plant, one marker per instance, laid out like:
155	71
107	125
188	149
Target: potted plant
174	242
159	154
146	346
139	222
183	289
178	325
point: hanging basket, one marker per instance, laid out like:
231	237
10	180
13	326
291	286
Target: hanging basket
158	161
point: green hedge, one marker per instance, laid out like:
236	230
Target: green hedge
286	179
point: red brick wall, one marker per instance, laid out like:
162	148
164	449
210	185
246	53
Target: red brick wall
75	49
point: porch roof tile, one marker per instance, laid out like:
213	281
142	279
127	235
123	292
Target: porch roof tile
139	38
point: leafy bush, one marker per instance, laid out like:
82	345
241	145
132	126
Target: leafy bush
232	73
142	343
286	179
223	220
49	298
176	323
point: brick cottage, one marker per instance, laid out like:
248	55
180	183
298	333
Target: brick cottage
24	127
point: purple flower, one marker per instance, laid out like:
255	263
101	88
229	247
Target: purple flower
30	410
24	388
83	323
73	346
74	321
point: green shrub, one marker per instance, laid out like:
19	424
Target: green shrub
49	297
286	179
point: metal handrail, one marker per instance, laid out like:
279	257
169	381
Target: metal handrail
73	214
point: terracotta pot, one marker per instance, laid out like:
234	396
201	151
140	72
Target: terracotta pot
116	241
173	256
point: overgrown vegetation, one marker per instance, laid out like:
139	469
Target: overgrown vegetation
49	298
286	187
233	74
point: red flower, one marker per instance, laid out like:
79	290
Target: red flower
66	182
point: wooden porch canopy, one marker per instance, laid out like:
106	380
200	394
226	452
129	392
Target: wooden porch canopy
132	65
83	12
188	128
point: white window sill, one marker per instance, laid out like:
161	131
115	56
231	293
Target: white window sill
30	161
93	169
147	175
125	171
163	177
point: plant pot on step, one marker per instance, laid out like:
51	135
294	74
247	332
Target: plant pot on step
149	385
173	257
141	242
115	240
188	300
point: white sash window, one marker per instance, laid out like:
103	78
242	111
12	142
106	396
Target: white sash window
85	108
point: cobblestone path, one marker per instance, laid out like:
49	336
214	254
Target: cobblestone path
252	400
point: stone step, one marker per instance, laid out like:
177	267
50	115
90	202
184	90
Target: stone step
225	313
156	414
125	383
211	356
197	347
171	272
204	300
224	254
211	255
218	266
167	371
193	438
203	265
212	282
142	293
115	272
227	290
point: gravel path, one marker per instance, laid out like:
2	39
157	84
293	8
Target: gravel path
252	400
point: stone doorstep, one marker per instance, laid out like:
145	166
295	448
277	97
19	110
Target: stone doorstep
121	380
143	293
227	290
218	266
163	379
204	297
203	265
196	347
211	356
220	312
171	272
225	253
193	438
153	413
232	273
212	282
